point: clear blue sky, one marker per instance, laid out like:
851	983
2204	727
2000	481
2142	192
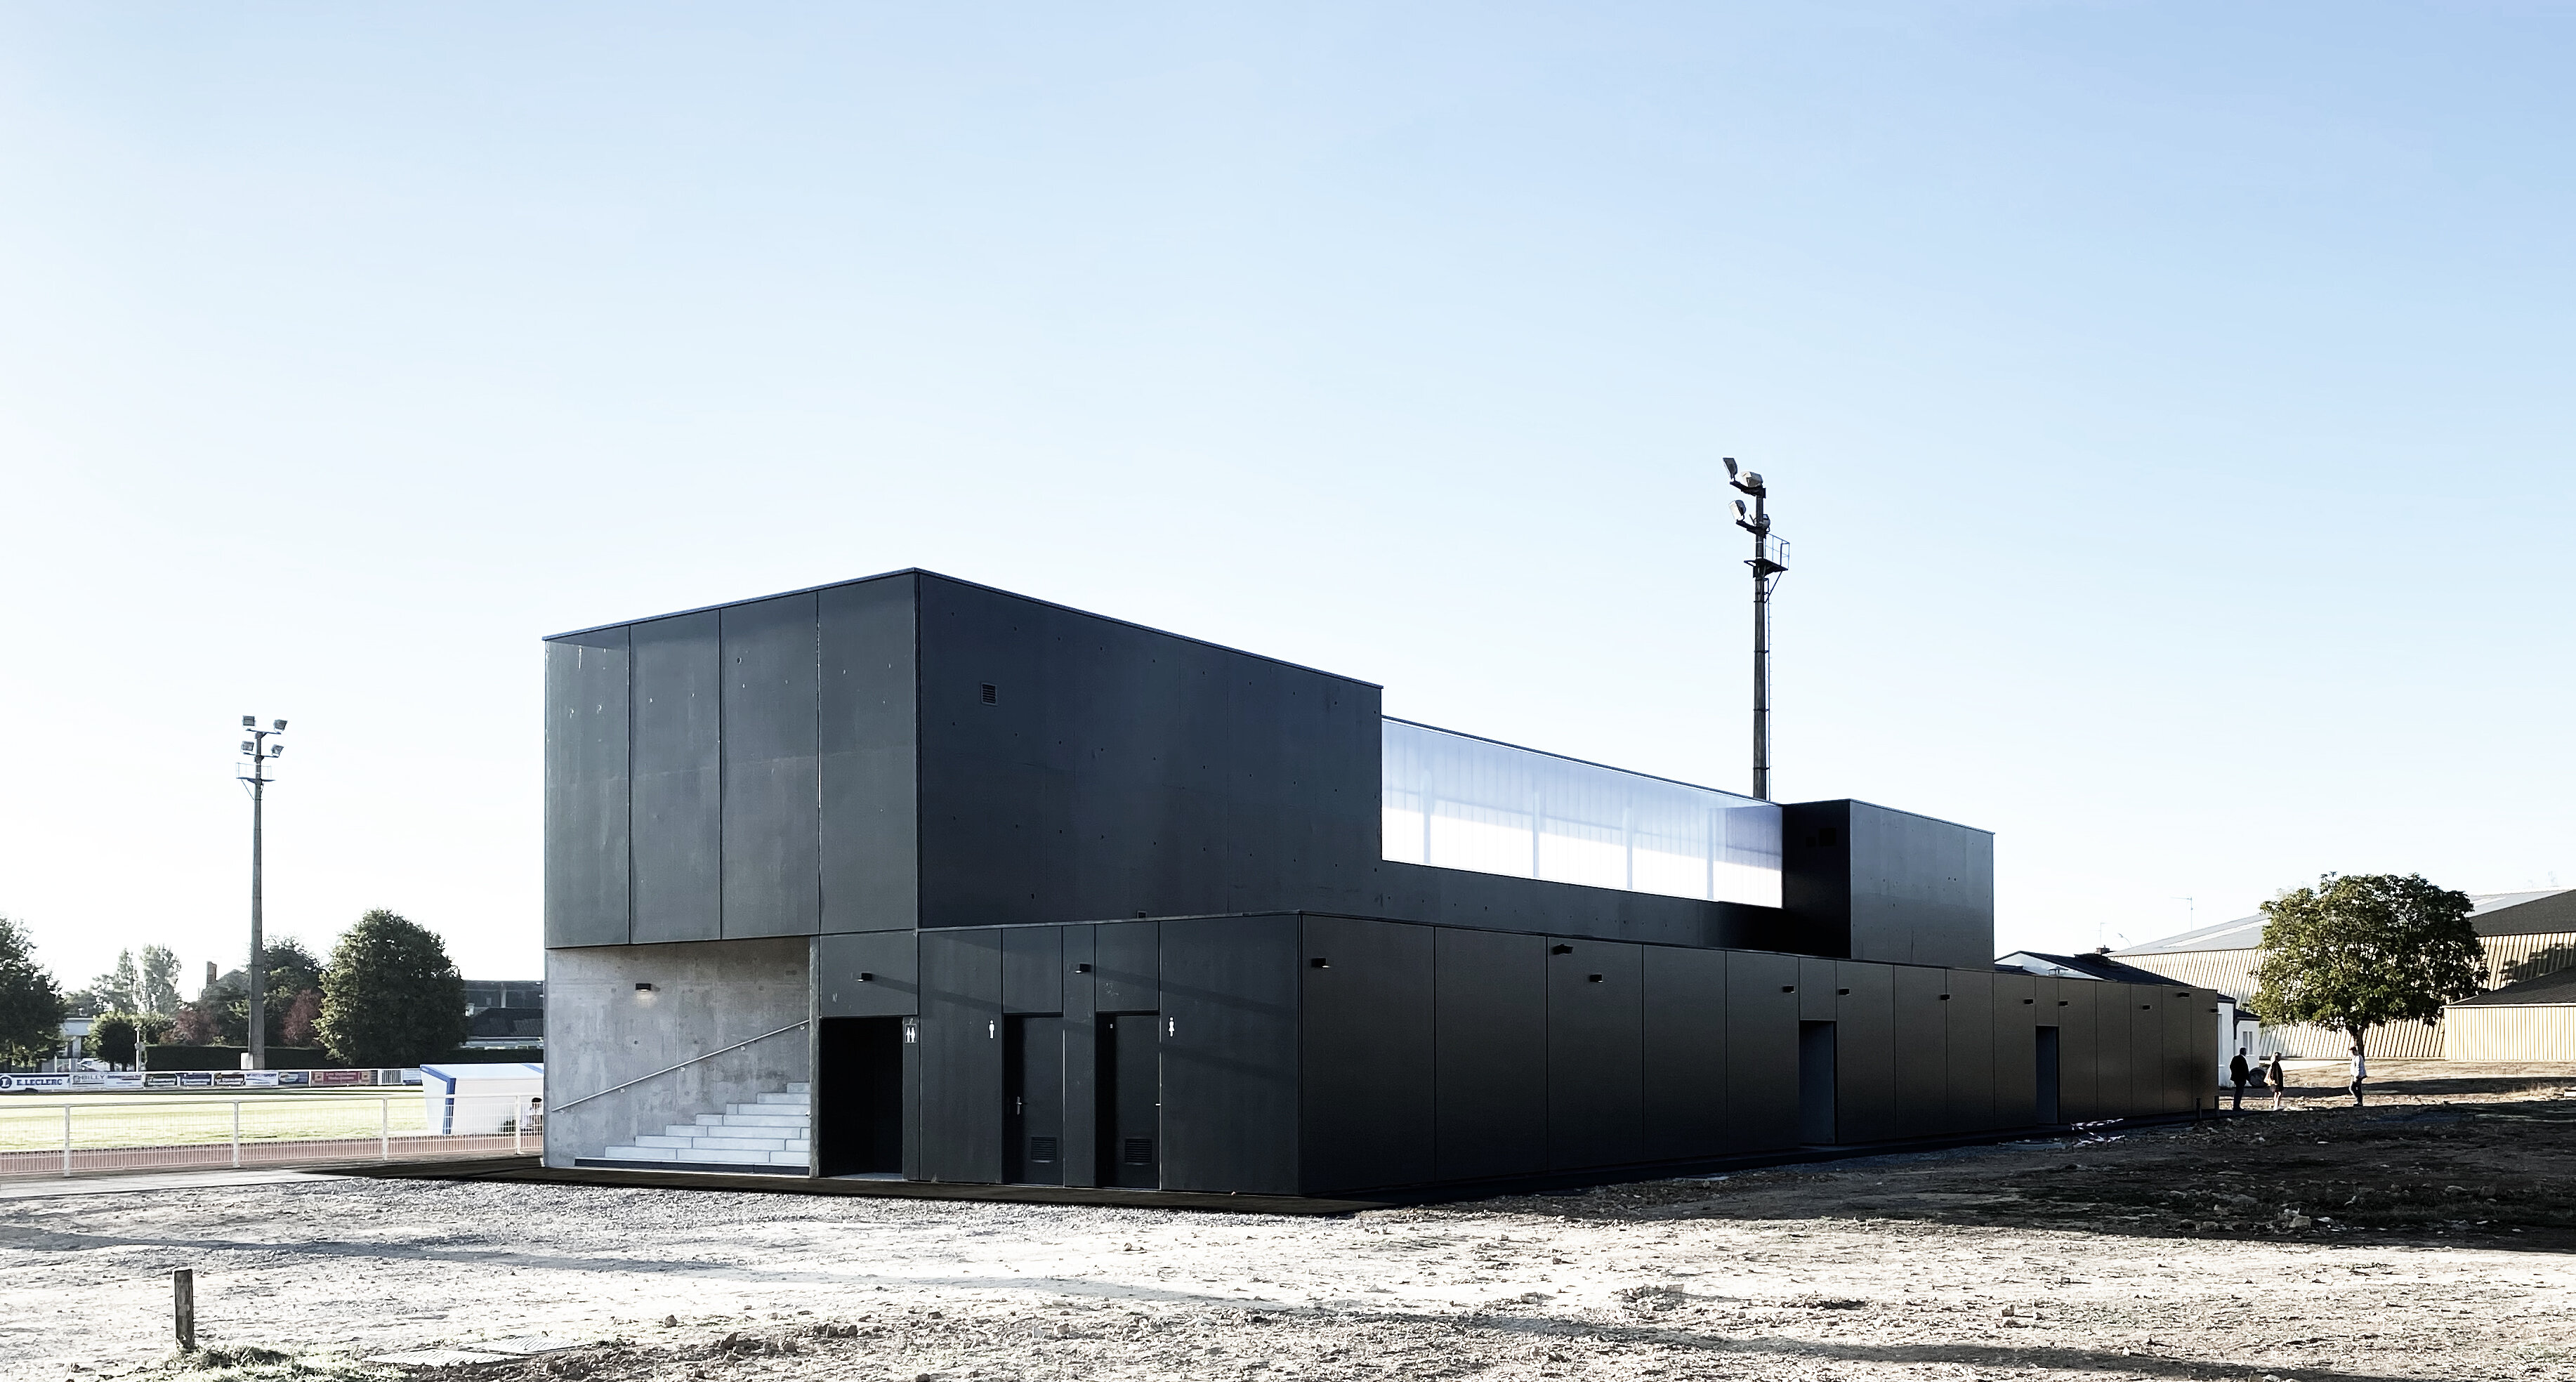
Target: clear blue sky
2169	404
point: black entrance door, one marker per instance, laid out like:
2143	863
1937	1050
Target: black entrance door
1816	1084
1131	1101
858	1096
1033	1116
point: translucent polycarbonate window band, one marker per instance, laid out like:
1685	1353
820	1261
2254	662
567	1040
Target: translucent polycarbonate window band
1458	802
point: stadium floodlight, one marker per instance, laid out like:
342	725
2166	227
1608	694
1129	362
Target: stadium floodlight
260	752
1770	558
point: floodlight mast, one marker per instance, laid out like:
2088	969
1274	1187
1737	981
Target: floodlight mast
254	774
1770	559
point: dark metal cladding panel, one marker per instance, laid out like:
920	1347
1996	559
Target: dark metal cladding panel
991	808
1261	815
1033	969
1922	1051
2146	1051
961	1060
1144	732
1230	1100
1122	770
1337	734
1969	1017
1815	881
1490	1033
2044	1012
2184	1084
1367	1055
2208	1056
1816	985
1864	1052
912	1101
586	787
1922	890
2016	1007
2079	1051
2113	1005
1685	1043
679	830
2128	1018
1761	1051
1491	902
1595	1054
869	746
867	974
1130	973
1116	770
773	864
1081	1061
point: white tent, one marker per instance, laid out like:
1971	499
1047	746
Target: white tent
465	1099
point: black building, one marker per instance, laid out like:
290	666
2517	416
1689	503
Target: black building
908	876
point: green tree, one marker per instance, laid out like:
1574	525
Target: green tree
2366	950
291	968
31	1004
390	995
118	990
303	1014
112	1038
160	980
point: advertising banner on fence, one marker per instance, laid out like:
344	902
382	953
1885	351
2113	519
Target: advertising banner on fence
69	1082
84	1081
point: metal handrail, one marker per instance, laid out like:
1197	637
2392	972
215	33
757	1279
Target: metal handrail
711	1055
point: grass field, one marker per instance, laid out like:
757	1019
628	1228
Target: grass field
34	1122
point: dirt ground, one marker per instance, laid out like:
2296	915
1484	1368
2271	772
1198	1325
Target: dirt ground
2431	1235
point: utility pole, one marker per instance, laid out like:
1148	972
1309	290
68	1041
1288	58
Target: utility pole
1770	558
254	774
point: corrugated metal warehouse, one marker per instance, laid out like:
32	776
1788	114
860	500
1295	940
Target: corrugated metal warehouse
2527	935
2534	1020
911	877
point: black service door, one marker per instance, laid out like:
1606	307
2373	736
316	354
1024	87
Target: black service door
1033	1117
1131	1101
858	1096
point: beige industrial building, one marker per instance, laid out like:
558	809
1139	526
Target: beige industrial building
2534	1020
2529	936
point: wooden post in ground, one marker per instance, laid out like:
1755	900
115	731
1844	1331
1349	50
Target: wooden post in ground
183	1307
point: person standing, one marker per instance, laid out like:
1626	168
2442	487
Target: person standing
2280	1080
2238	1072
2360	1072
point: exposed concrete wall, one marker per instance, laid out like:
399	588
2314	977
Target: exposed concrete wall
601	1031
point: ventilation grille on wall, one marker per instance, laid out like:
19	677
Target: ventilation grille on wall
1137	1151
992	694
1041	1149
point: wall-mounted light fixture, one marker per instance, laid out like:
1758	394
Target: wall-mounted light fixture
1842	993
1788	988
1082	969
1319	962
1560	950
643	988
866	978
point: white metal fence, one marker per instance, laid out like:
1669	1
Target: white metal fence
180	1131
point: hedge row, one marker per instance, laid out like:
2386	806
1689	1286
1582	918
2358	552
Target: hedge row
314	1058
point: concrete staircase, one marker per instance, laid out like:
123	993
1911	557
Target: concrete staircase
773	1133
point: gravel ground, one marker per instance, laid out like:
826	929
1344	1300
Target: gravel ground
2432	1235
